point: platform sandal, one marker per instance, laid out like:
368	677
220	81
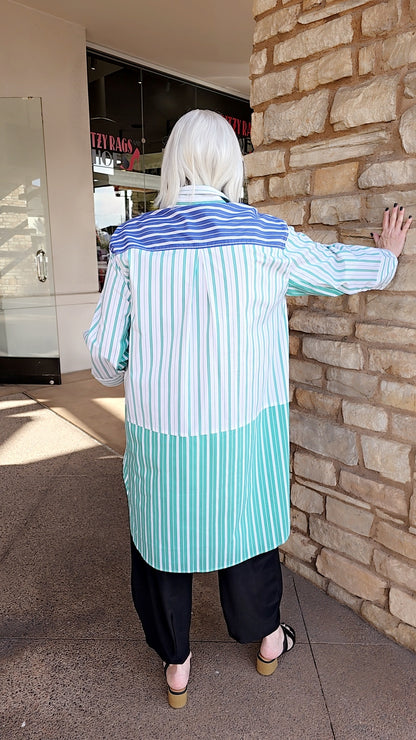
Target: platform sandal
268	667
176	699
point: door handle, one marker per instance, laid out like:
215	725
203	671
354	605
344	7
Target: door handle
42	265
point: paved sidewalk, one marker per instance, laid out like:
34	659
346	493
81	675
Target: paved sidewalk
73	661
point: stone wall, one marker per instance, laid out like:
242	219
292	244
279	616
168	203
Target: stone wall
334	131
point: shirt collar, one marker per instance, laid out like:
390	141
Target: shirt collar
200	194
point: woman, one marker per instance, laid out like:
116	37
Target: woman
193	319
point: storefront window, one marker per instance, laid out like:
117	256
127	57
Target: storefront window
132	112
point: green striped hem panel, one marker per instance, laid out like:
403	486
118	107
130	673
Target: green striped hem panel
207	502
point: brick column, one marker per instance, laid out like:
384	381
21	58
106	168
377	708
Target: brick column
334	129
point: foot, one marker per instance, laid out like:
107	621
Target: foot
273	645
177	674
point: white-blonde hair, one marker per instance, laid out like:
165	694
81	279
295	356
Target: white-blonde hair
202	149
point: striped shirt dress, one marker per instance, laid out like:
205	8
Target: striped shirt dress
193	319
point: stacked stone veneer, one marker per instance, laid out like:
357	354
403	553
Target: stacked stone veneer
334	131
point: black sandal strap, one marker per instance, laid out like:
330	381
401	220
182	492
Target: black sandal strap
288	631
263	660
178	693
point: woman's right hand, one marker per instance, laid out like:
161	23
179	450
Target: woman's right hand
394	230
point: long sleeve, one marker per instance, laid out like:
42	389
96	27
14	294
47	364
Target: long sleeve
108	337
334	269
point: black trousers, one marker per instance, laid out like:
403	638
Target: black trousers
250	595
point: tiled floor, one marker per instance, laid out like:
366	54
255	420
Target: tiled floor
73	661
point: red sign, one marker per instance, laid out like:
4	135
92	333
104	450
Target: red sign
111	143
241	128
112	151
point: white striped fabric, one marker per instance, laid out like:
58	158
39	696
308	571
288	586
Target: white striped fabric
193	318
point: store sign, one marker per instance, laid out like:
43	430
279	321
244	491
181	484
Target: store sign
121	152
241	128
111	143
115	152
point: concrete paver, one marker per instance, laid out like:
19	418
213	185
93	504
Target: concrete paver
73	661
369	690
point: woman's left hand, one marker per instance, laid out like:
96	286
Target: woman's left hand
394	230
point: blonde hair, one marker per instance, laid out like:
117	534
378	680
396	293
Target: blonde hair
202	149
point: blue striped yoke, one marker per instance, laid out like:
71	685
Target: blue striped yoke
199	226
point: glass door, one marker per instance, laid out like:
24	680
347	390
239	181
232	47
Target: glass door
28	329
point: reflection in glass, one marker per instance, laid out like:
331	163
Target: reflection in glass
27	305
